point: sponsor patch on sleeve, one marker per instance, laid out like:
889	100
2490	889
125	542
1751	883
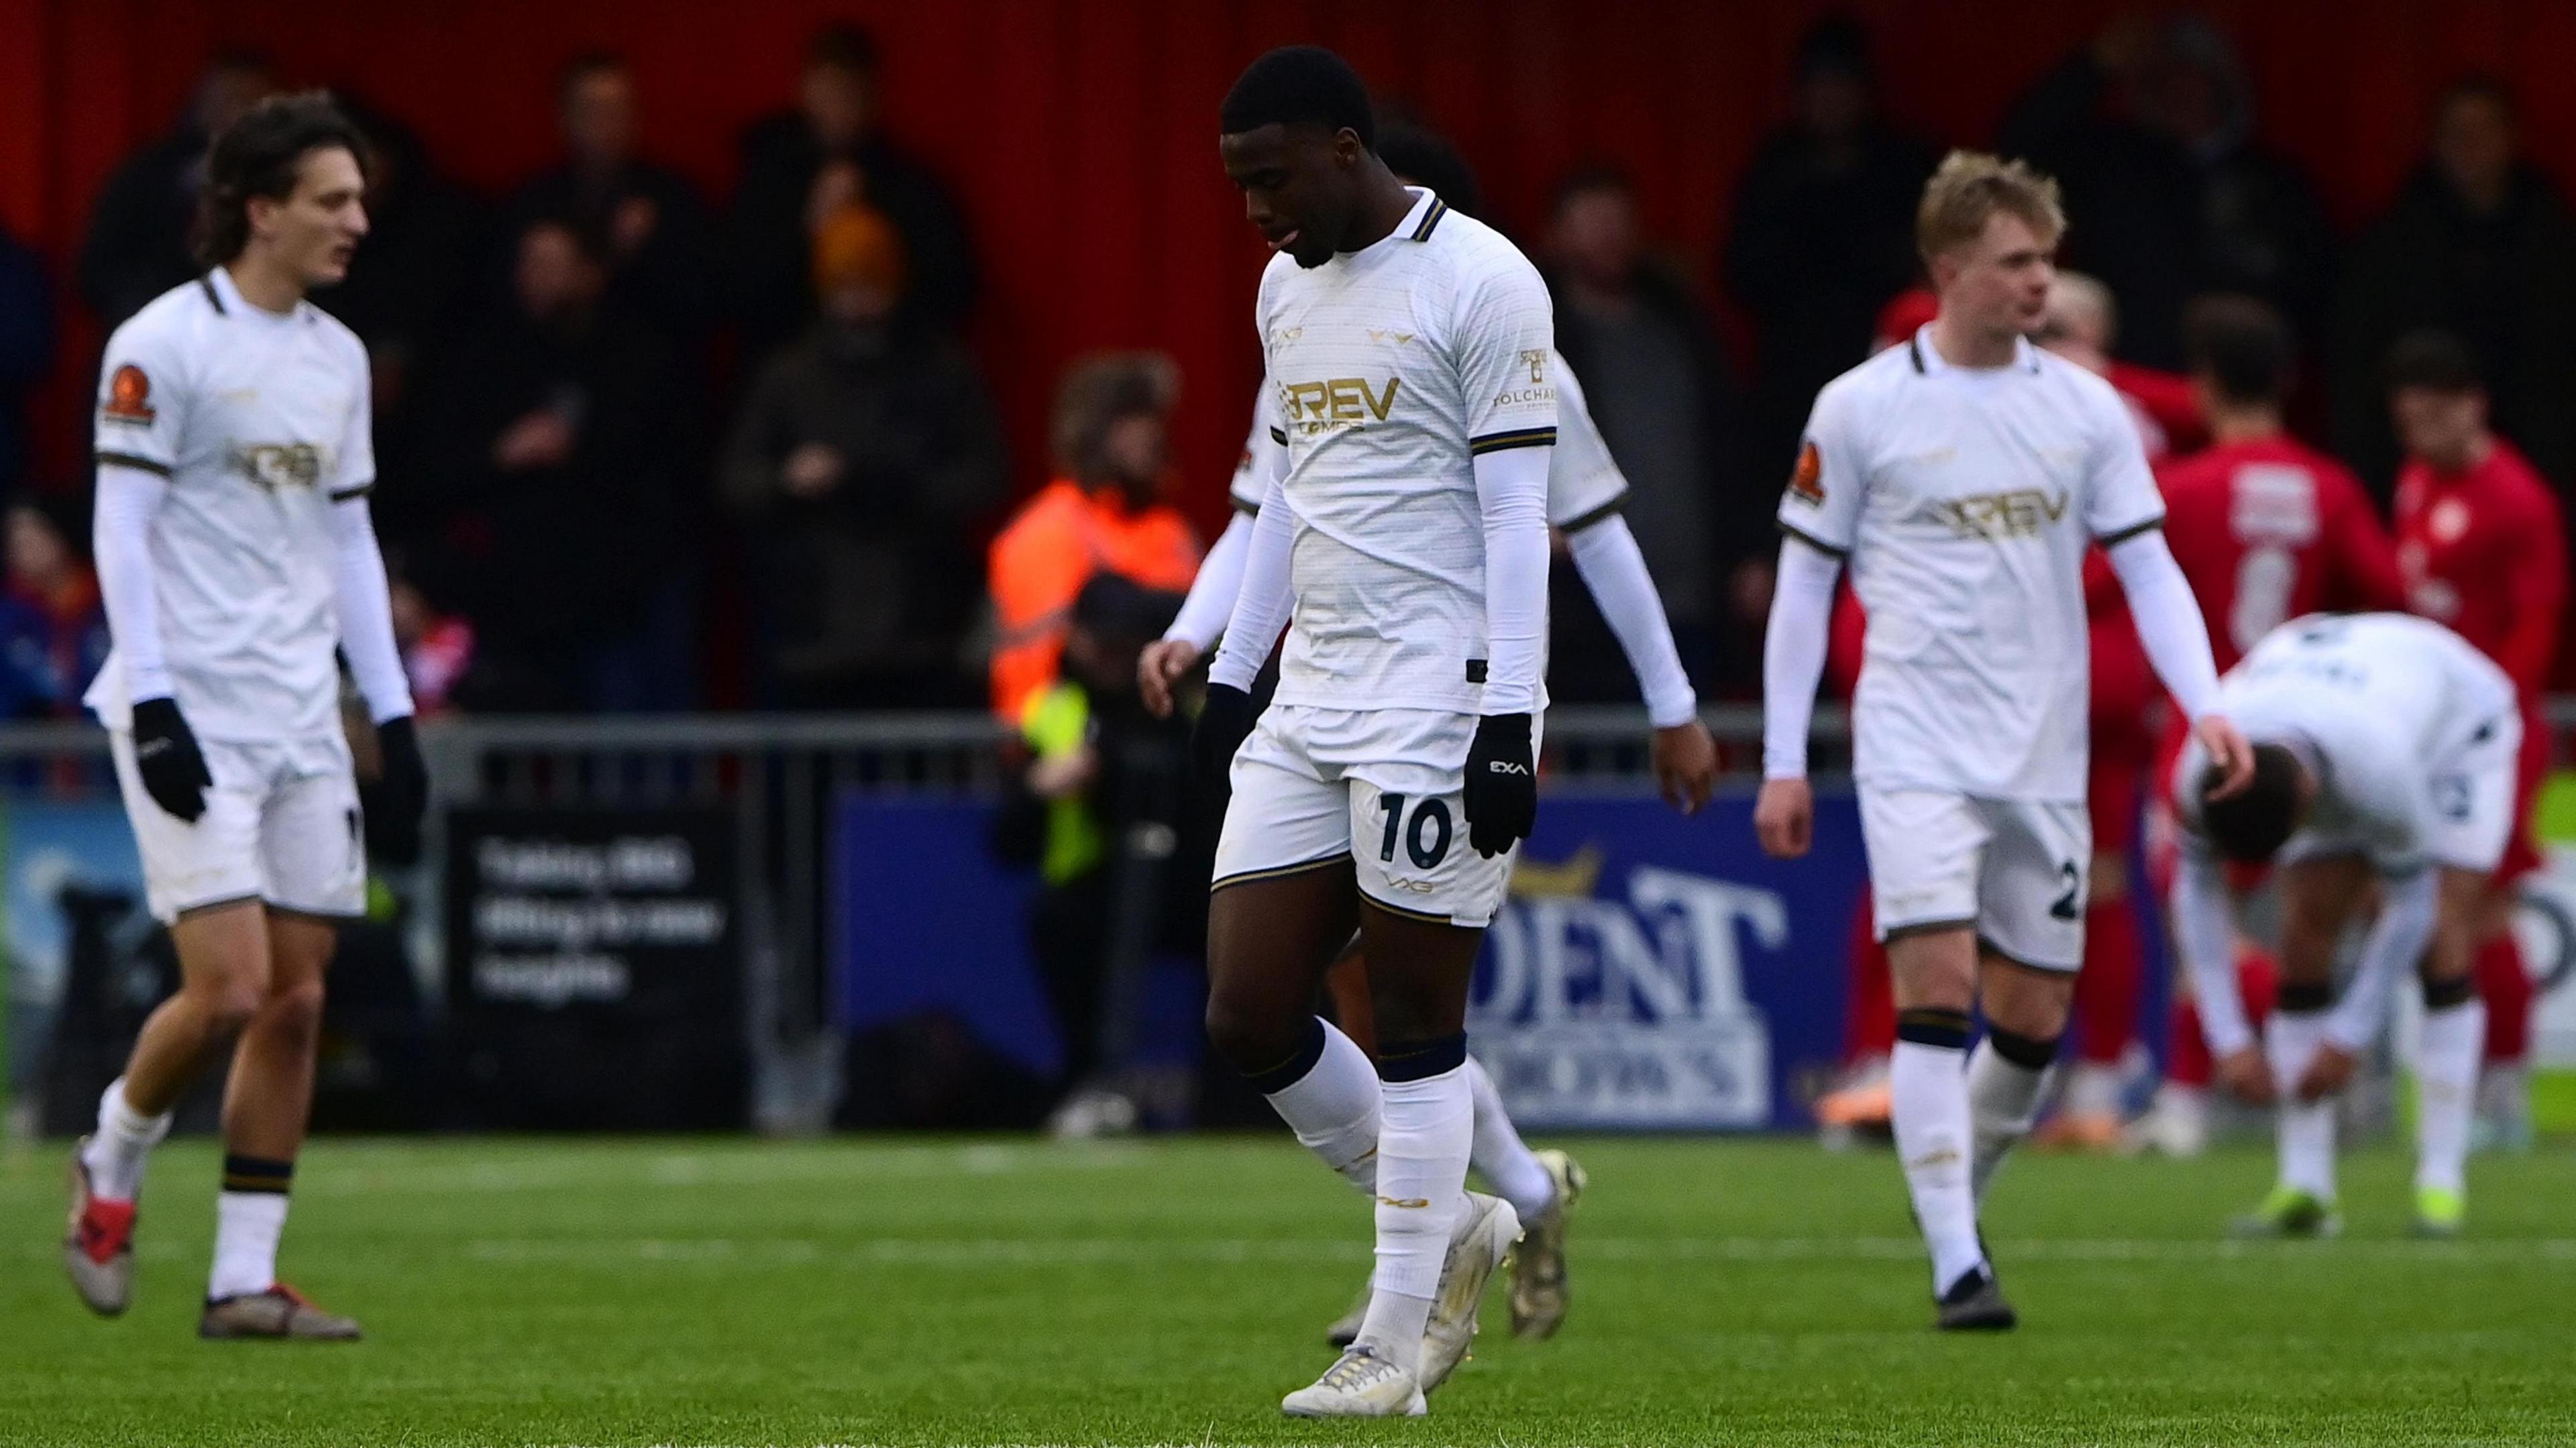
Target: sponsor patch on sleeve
1807	480
129	397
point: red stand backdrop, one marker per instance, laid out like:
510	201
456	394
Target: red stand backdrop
1081	133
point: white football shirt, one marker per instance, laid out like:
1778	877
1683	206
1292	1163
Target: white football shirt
1964	500
1584	485
1392	368
2378	701
260	421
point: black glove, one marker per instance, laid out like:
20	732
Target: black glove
1224	721
402	791
167	756
1502	784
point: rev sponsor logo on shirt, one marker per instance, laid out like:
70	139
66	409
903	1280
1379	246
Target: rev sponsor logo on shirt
1315	407
2020	513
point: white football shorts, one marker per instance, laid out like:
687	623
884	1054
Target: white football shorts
1382	787
281	826
2015	871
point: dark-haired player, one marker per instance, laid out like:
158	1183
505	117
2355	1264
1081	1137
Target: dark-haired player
1387	786
1585	489
2384	747
2267	529
236	555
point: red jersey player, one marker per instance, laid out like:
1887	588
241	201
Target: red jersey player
2266	529
2480	545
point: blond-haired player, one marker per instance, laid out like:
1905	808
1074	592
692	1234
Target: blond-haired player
1962	474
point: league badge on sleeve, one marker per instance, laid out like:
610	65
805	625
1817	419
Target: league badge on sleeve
1807	480
129	397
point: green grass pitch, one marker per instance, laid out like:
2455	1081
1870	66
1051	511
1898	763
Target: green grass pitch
686	1292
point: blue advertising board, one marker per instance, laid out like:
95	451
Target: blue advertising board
1656	972
1651	972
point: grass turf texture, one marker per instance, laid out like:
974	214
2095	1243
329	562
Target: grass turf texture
1008	1292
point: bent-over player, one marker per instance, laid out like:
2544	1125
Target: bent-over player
2384	752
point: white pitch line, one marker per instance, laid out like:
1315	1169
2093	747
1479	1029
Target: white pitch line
933	1252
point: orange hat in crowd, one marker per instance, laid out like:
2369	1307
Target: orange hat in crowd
857	246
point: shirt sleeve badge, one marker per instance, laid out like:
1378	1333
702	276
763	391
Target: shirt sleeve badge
129	397
1807	480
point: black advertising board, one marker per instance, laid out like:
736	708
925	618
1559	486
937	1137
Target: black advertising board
594	968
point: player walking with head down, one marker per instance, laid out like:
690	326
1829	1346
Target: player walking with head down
1389	783
236	555
1963	474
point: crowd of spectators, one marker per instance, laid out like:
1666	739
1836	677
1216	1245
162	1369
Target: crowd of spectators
581	382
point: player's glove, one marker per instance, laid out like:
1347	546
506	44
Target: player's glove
1224	721
402	792
1502	784
167	756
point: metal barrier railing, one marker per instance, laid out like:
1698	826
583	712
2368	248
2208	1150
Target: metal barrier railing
777	775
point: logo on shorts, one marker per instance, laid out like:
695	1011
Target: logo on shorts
1807	480
1418	887
1506	766
129	397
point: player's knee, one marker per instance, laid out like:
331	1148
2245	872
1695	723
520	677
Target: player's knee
295	1009
2443	992
231	1000
1252	1035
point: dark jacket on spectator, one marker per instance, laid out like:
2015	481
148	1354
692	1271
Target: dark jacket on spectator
549	561
1819	243
136	247
2505	283
26	351
768	245
2160	225
866	591
667	282
408	289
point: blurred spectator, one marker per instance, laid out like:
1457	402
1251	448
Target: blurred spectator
2082	324
1823	235
408	288
1106	512
53	631
862	456
556	452
2150	130
26	351
137	244
437	649
1658	382
802	166
2265	528
1112	894
2480	245
660	240
2479	538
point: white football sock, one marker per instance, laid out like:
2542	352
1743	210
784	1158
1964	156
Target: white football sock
2003	1098
1510	1167
2093	1089
1933	1139
2446	1080
122	1143
1427	1132
247	1226
1333	1108
2304	1130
